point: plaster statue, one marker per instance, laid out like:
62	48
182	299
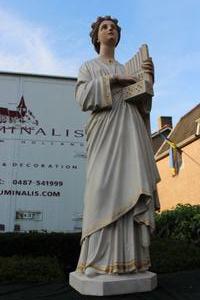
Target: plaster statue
120	195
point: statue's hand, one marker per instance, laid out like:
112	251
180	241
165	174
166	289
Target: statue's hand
124	80
148	67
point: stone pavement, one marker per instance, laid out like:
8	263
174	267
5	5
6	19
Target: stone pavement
183	285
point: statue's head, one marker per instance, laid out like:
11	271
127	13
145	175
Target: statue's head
95	31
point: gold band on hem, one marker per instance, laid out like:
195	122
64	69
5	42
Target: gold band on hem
117	267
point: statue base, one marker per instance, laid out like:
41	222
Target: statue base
104	285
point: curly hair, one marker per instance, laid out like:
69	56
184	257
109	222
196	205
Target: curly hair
95	29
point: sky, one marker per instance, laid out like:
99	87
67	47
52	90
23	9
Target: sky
52	37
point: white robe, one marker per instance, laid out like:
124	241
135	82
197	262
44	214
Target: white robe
120	194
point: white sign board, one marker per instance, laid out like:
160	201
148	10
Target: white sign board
42	154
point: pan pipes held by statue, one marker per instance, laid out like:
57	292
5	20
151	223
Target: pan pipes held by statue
144	85
134	65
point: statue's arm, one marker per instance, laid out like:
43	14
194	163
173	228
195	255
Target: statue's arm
93	93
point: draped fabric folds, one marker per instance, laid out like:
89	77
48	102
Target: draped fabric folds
120	195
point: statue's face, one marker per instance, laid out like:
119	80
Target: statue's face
108	33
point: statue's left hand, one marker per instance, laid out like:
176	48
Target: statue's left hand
148	66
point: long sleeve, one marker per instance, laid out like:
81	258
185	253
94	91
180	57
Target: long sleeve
93	93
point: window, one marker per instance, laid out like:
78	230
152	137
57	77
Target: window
2	227
17	227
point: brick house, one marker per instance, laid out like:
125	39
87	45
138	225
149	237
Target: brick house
184	186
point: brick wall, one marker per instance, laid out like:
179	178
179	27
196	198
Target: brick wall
184	187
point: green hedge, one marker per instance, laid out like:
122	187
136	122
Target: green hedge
18	268
64	246
168	255
181	223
